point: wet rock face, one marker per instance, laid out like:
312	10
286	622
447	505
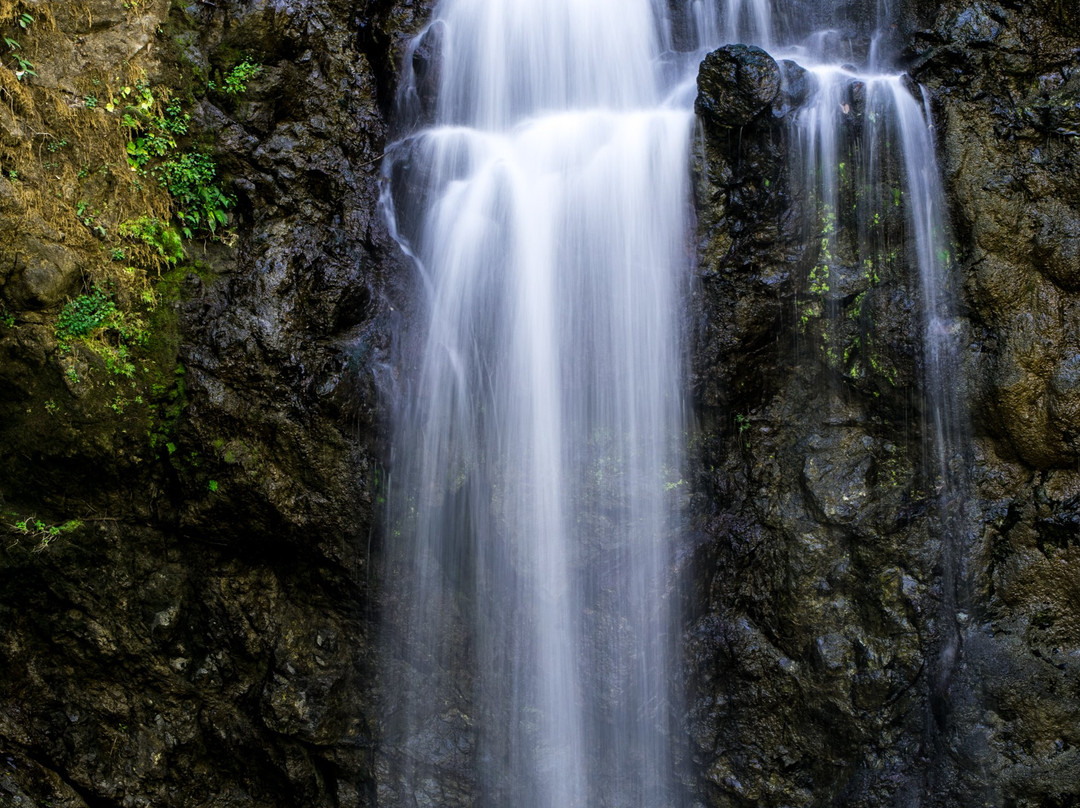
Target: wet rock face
822	666
807	651
1019	206
205	681
1009	89
427	69
1008	78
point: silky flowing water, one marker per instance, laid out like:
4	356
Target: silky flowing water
538	466
543	195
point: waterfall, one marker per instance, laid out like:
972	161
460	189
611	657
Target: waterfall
541	190
543	195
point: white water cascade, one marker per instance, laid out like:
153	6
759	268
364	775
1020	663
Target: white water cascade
537	465
536	473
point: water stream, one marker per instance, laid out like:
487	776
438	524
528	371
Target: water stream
543	193
538	463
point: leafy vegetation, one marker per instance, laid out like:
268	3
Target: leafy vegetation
201	203
43	533
94	317
190	176
239	76
153	135
84	315
23	67
116	163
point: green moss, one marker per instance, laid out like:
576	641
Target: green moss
819	279
855	312
883	369
167	380
156	234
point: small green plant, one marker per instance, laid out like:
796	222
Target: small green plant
152	133
43	533
118	361
175	121
237	79
146	139
138	100
89	219
24	66
201	203
95	320
85	315
742	424
146	147
24	20
90	101
213	486
190	177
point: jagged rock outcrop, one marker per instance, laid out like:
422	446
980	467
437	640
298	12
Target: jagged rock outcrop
1005	86
806	653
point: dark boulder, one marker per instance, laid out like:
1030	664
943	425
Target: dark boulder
736	83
